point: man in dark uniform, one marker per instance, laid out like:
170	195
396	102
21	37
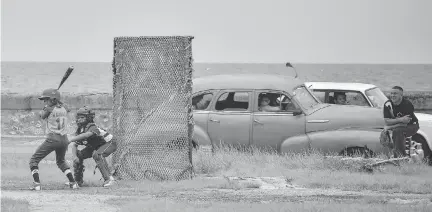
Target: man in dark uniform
399	117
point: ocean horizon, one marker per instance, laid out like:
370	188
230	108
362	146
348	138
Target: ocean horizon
96	77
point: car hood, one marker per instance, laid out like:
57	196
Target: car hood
335	117
423	117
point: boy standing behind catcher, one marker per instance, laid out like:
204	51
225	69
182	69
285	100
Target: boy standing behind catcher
55	115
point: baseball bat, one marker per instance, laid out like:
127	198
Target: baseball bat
66	76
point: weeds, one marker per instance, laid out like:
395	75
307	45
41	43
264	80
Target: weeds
310	169
313	169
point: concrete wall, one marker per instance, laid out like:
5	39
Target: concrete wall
19	112
31	102
422	100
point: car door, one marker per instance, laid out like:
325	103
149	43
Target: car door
230	119
200	105
269	129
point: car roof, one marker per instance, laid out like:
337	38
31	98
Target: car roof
340	86
246	81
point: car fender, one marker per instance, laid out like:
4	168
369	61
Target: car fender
425	135
200	136
335	141
295	144
425	130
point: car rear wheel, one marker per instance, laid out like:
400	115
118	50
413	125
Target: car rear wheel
426	149
356	151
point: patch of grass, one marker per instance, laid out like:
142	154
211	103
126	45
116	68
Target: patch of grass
8	204
385	182
310	169
314	170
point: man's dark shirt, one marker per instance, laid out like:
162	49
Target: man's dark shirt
403	109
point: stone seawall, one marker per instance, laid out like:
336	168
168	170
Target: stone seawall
19	112
422	100
31	102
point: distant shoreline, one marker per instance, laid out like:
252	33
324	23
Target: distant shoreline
97	77
273	63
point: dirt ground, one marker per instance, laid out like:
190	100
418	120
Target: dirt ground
203	190
62	200
261	190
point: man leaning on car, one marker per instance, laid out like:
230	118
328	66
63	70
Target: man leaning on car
399	117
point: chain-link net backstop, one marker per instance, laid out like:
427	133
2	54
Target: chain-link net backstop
152	116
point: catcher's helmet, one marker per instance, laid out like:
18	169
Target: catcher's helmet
87	112
50	93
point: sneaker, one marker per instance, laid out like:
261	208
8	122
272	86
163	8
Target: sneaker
79	183
73	185
36	186
109	183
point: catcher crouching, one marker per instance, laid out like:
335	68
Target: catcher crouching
98	143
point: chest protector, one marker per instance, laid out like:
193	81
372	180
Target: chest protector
99	138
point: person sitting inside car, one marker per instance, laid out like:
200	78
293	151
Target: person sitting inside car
265	105
339	98
199	103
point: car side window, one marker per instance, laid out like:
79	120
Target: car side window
349	98
201	101
276	102
233	101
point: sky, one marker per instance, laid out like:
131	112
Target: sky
238	31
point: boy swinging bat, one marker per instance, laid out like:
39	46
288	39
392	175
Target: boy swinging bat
55	116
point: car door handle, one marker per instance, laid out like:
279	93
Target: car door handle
258	122
214	120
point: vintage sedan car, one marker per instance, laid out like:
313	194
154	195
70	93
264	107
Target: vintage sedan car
227	110
360	95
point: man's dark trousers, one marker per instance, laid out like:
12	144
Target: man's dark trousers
399	135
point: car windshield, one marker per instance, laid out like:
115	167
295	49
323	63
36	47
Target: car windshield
377	97
304	97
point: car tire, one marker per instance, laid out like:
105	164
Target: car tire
352	151
426	149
